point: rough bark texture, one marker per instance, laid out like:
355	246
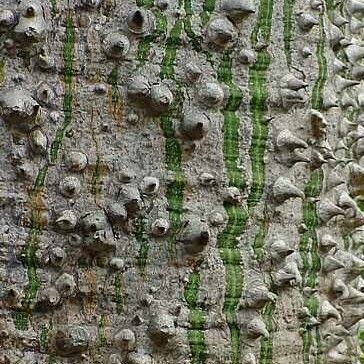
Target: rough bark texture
182	181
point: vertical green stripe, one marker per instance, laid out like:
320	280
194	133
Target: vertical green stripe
113	81
68	94
173	41
173	151
53	7
316	98
237	216
258	97
145	43
195	335
308	239
258	94
288	25
207	8
143	244
32	242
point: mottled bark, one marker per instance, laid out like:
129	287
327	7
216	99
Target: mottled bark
182	181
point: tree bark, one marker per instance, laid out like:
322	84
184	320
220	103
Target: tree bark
182	181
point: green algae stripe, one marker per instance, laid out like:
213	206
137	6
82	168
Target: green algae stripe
21	319
191	289
330	7
194	39
197	319
312	304
231	258
52	359
318	345
53	7
308	241
173	41
100	332
30	262
308	247
360	205
40	180
173	151
68	94
316	98
330	4
258	97
160	23
258	245
44	336
175	203
145	43
112	80
307	343
29	253
266	347
237	216
43	339
197	344
288	28
231	123
147	4
234	286
143	244
195	335
207	8
264	22
257	79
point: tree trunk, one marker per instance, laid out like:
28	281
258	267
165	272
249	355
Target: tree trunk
182	181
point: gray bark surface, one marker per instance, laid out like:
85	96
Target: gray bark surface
182	181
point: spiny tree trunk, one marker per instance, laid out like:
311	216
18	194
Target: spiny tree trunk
182	181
